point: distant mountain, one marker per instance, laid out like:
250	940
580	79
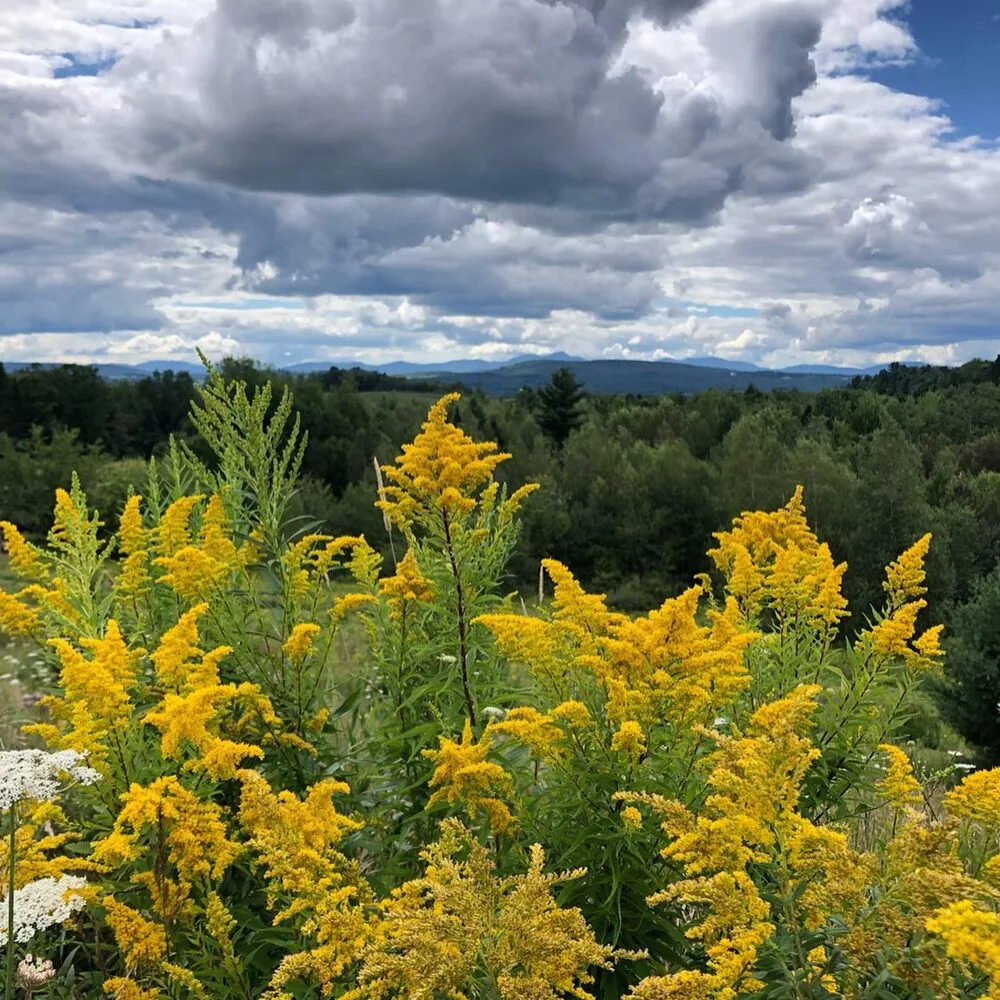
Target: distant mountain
194	368
642	378
822	370
714	362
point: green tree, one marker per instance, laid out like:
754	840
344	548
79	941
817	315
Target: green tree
970	690
559	406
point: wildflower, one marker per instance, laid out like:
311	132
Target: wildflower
632	817
26	560
173	533
142	942
899	787
440	933
977	798
440	471
133	580
629	740
17	619
534	729
407	585
40	776
299	643
465	775
904	578
574	713
34	972
296	842
123	988
970	935
41	904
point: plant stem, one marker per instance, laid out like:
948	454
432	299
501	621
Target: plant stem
12	865
460	609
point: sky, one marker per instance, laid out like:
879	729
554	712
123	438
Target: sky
774	181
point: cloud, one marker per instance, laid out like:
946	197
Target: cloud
506	101
334	179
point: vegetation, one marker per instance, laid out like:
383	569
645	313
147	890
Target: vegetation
631	497
714	799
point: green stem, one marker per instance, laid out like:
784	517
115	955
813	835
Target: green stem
12	864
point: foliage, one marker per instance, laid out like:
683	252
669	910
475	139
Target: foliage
721	783
558	405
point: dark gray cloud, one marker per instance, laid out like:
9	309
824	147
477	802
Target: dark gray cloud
501	101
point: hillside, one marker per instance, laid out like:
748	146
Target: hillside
643	378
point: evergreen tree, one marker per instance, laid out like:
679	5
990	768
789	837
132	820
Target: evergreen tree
559	406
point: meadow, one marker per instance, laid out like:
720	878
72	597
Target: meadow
276	763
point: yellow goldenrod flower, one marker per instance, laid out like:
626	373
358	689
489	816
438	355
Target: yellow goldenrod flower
440	471
534	729
142	942
26	560
971	936
461	921
899	787
407	584
463	774
574	713
299	643
977	798
174	533
122	988
904	578
17	618
629	740
632	817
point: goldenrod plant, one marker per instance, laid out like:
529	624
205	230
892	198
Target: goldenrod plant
290	767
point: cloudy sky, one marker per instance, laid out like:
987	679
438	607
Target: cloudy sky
778	181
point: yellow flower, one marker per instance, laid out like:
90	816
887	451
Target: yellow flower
142	942
26	560
173	533
194	831
632	817
463	774
904	578
349	602
299	643
970	935
122	988
899	787
574	713
297	845
133	580
406	585
440	472
461	923
534	730
977	798
629	740
17	618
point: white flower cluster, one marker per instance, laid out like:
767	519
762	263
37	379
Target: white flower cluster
41	904
35	774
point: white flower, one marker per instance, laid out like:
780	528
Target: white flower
492	712
35	774
41	904
965	767
34	972
447	659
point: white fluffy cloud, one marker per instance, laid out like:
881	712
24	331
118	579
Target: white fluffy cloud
393	178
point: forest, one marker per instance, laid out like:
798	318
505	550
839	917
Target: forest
264	754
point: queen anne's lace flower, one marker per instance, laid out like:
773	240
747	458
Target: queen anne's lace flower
34	972
37	775
41	904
